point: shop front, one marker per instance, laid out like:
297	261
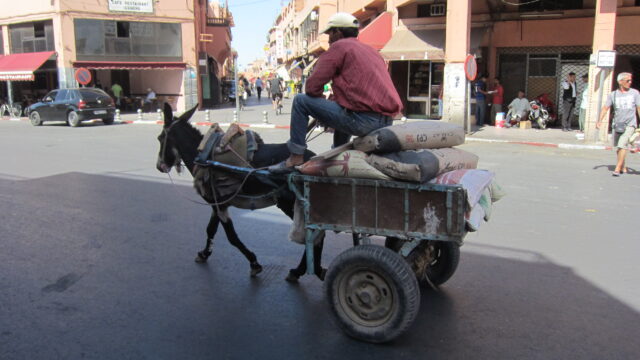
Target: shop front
137	56
416	63
27	77
540	71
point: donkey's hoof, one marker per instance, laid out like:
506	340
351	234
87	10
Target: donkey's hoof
292	277
201	258
255	269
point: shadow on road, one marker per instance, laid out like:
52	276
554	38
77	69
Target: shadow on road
102	267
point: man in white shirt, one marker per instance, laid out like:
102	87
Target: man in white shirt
150	99
518	109
568	100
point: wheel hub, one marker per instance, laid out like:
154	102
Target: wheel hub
367	297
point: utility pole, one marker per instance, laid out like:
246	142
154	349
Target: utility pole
235	76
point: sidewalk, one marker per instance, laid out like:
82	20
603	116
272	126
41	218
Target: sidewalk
253	116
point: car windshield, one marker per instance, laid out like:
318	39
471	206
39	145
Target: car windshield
92	94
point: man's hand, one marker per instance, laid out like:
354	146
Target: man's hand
598	123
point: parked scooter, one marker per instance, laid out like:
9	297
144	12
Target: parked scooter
549	106
538	114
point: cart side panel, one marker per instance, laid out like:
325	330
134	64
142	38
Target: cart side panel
401	210
429	214
330	204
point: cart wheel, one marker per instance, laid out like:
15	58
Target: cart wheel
434	262
373	293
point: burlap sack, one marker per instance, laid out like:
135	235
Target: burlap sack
450	159
427	134
351	163
422	165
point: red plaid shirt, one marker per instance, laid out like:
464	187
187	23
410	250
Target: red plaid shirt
361	81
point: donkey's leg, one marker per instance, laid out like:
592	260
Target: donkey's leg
211	232
295	274
227	225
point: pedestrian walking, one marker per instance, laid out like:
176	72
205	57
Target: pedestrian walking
497	99
116	89
625	102
481	99
259	88
584	102
568	100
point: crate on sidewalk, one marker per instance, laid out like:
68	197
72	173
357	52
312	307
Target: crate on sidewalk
525	124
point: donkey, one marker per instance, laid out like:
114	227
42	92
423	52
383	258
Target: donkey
179	141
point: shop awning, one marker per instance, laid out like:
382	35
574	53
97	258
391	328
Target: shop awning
424	44
378	32
129	65
20	67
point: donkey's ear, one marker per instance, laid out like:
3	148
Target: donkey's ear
168	114
188	114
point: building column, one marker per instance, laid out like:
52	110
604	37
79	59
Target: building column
66	78
455	100
599	78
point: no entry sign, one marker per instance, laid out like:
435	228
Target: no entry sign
83	76
471	67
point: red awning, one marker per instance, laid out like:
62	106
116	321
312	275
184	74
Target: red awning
20	67
128	65
378	32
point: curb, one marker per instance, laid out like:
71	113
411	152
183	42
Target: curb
542	144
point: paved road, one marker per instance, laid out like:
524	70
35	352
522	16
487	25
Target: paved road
97	248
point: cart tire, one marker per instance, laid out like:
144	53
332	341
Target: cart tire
35	119
108	121
373	293
444	262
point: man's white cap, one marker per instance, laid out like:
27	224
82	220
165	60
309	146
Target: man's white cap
343	20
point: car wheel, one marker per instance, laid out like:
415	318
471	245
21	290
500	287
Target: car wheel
35	119
107	121
72	119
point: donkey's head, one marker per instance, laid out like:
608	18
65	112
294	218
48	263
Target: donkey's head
169	139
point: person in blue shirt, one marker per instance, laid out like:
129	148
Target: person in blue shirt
480	88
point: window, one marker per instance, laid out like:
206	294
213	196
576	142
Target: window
38	29
431	10
62	95
1	43
102	39
123	29
31	37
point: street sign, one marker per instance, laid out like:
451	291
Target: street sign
606	59
470	67
83	76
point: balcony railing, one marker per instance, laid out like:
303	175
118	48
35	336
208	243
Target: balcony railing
217	21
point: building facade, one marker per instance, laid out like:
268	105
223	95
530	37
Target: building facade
137	44
530	45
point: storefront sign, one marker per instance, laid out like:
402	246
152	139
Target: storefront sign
17	77
279	44
137	6
606	59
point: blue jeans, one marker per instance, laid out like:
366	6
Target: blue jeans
481	109
345	122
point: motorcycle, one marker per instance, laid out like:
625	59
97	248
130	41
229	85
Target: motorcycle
538	114
549	106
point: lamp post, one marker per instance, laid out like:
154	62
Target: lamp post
235	76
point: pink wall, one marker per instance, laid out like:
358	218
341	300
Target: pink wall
533	33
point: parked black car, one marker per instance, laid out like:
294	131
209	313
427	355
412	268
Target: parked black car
73	106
